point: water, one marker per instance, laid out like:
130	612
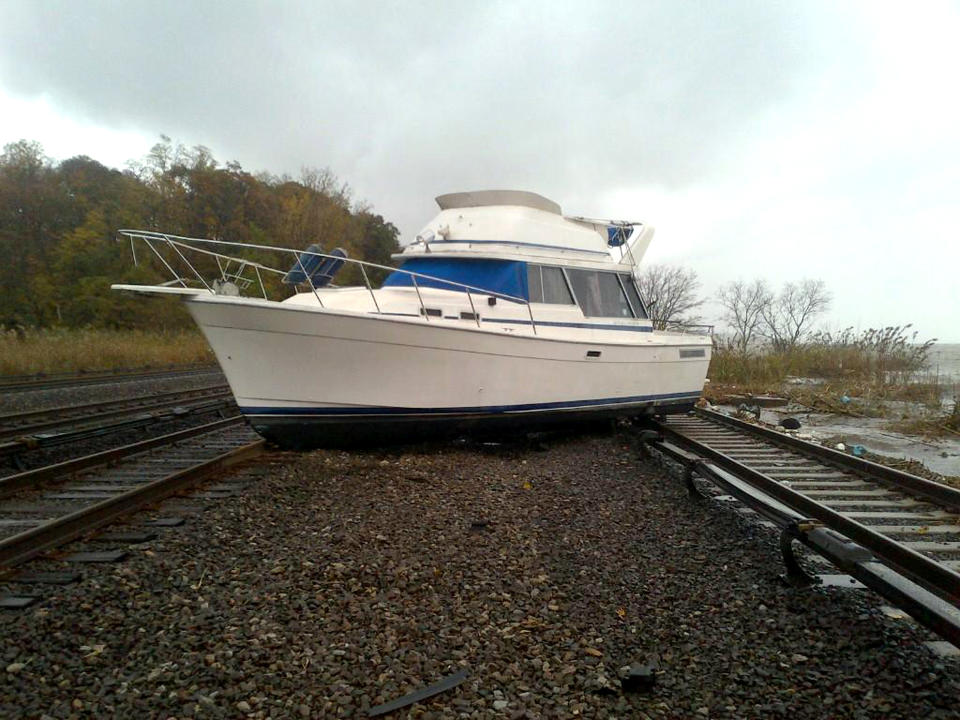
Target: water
943	361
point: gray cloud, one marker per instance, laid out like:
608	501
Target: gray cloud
578	101
429	97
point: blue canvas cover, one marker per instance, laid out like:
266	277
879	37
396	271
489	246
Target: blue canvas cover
617	235
506	277
320	269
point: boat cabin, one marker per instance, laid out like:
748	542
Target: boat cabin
598	293
520	245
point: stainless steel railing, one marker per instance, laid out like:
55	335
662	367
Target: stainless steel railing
233	269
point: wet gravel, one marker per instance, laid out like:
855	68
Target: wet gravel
341	580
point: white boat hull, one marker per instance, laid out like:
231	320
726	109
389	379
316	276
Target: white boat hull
355	377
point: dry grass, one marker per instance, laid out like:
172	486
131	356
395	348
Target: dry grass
880	357
940	425
935	428
829	363
952	421
875	373
63	350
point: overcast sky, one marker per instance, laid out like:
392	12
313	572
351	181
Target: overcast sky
768	139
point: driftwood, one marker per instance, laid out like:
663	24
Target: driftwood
827	405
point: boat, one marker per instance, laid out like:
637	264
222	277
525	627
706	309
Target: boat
503	313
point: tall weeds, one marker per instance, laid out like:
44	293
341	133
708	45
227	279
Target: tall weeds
72	350
883	356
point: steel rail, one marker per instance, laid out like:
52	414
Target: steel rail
926	572
30	543
930	610
933	491
15	383
103	410
62	470
24	442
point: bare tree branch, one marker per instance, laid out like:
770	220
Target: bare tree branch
788	319
744	304
670	292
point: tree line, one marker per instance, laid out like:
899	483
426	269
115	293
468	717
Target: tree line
58	224
753	312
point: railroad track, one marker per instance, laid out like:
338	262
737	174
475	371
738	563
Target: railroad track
48	507
22	383
896	533
15	425
22	433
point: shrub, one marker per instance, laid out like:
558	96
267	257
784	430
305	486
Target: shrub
880	356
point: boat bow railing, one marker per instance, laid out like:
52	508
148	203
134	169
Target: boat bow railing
689	328
233	270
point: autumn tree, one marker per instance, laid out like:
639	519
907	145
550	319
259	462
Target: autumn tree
378	241
58	227
34	211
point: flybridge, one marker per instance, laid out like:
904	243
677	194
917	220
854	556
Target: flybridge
497	223
488	198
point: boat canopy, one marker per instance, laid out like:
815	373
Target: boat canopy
504	277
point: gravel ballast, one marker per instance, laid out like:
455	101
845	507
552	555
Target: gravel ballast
24	400
340	580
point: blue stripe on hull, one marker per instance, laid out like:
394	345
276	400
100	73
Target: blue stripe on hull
475	410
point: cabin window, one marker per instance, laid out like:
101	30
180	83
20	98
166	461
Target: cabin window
555	288
599	293
633	296
535	283
547	285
